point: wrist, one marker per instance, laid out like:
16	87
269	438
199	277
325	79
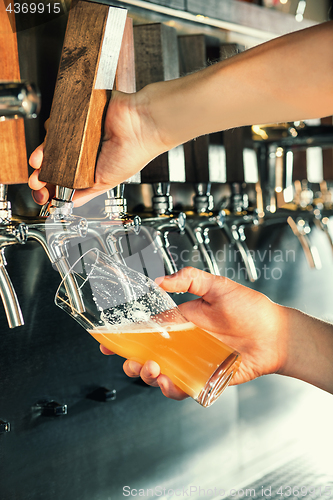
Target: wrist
309	349
156	134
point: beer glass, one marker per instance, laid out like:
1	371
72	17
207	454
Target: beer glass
132	316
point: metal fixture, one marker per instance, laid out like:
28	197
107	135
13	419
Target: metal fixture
275	156
18	100
103	395
11	233
4	426
50	408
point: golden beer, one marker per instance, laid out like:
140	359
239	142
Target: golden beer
196	361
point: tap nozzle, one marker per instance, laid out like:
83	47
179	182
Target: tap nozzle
61	204
5	205
116	203
203	200
239	199
162	200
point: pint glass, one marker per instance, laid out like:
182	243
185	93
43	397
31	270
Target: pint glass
129	314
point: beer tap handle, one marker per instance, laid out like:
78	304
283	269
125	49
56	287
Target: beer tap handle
115	203
193	57
14	165
299	174
327	155
239	150
156	59
125	74
85	79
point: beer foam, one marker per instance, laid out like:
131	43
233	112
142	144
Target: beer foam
142	328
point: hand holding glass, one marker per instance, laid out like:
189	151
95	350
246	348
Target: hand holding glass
129	314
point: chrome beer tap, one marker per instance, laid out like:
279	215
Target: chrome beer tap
164	221
204	163
282	160
233	223
11	233
54	230
204	204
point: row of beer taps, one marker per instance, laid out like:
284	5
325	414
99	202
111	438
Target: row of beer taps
56	226
57	229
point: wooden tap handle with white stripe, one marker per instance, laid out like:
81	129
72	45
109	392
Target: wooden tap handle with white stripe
85	79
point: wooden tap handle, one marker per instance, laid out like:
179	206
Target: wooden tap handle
193	57
156	59
125	74
235	140
299	165
14	166
327	154
85	78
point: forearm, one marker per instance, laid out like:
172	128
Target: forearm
286	79
309	354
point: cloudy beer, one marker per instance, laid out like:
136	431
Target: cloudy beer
192	358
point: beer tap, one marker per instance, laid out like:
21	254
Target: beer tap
239	152
18	100
206	163
82	92
192	57
284	148
11	233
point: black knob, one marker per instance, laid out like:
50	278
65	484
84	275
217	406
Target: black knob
4	427
103	394
50	408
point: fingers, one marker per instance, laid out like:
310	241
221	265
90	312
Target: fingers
195	281
40	193
41	196
104	350
151	374
148	372
34	183
170	390
36	157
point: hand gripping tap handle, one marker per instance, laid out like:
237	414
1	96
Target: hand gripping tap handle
85	78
